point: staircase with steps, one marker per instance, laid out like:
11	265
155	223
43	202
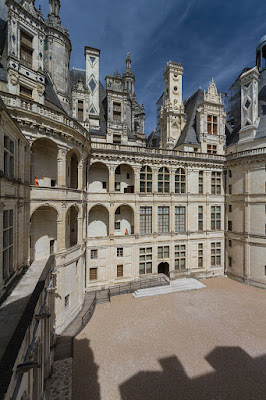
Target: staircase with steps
178	285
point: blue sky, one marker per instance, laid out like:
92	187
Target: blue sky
211	38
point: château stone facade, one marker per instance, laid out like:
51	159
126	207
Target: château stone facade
81	182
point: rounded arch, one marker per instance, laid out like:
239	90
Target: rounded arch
72	162
43	232
180	180
72	225
98	221
145	179
163	180
44	205
124	178
124	220
163	268
44	162
98	178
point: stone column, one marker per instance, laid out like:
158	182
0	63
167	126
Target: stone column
154	218
80	174
112	179
155	180
136	220
172	180
61	229
172	218
61	167
80	228
112	220
137	180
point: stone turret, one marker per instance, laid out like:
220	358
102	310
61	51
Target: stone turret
57	54
129	77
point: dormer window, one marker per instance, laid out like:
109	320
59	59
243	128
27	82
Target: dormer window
117	112
26	49
212	124
80	110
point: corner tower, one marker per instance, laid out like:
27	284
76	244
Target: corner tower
57	48
261	54
172	116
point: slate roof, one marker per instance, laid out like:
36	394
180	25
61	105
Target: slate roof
189	133
50	96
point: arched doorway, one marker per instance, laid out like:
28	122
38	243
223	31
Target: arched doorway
44	162
98	224
72	169
72	227
43	233
163	268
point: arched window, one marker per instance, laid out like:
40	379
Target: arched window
145	180
180	181
163	180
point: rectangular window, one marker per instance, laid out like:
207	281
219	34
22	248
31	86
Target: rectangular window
26	49
119	252
216	183
230	207
67	301
212	124
104	185
200	218
230	243
230	189
94	254
145	220
215	218
117	225
180	219
180	257
200	182
120	271
230	173
145	260
93	274
117	112
117	186
215	254
7	243
211	149
163	252
230	261
8	157
200	255
163	219
80	110
26	92
116	139
230	225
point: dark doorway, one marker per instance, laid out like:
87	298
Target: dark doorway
163	268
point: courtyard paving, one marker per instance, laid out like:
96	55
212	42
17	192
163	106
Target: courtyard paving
202	344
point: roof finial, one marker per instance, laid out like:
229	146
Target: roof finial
128	61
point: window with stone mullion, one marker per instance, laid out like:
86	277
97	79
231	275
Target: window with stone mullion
163	180
180	181
145	180
180	219
163	219
145	220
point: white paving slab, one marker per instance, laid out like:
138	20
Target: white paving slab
177	285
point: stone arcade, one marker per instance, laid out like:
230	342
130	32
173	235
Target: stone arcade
112	206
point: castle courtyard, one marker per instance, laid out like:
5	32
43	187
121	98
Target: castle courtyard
202	344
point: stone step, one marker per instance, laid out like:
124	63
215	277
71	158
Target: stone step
178	285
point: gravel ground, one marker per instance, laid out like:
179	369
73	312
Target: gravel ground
202	344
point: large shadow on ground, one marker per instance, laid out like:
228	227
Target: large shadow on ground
237	376
85	384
